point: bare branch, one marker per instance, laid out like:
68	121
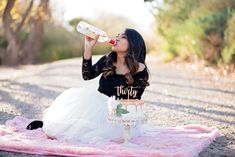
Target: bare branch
6	20
24	16
32	44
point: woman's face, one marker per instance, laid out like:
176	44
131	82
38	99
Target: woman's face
121	43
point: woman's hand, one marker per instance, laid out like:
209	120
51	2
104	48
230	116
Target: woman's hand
88	46
90	43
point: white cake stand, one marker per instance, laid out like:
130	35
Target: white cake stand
127	124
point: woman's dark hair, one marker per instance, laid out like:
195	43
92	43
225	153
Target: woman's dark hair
136	53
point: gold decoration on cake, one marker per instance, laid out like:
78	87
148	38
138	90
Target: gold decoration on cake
129	91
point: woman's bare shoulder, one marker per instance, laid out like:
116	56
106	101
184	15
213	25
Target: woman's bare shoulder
141	67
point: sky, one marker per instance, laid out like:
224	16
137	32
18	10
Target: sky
136	10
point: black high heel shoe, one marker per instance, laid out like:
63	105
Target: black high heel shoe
35	124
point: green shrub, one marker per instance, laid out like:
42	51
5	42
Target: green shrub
228	52
59	43
204	29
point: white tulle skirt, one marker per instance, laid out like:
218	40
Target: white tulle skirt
80	114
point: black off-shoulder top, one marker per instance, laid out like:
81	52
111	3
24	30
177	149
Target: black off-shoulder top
115	85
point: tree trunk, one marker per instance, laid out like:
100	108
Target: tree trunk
28	53
10	56
2	52
32	45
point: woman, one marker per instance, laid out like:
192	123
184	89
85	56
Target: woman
80	114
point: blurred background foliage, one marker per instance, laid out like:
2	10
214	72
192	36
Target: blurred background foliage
188	30
60	39
198	29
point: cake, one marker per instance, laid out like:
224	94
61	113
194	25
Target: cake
129	111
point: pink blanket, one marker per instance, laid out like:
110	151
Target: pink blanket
184	141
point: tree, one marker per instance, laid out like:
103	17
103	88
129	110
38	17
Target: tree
197	29
26	51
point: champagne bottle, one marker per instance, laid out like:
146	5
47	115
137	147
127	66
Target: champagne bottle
92	32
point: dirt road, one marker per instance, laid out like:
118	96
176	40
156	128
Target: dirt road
181	94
